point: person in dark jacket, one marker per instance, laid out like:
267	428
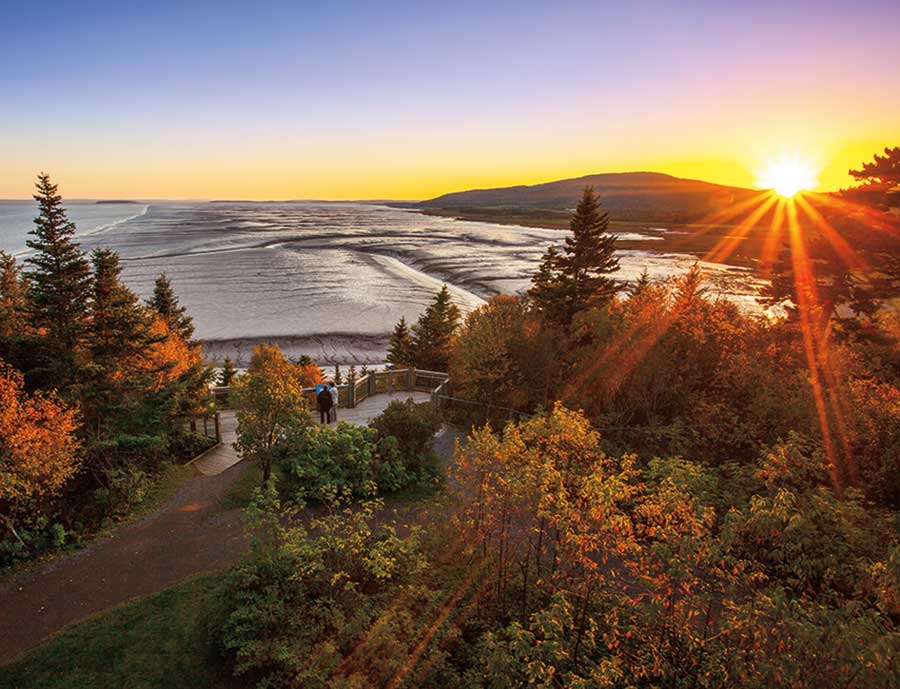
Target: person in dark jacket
323	399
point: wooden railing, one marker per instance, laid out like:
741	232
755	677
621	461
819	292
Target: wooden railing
388	381
376	383
206	425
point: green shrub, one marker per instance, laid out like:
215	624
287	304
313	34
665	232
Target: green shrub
349	460
413	425
303	599
185	445
38	535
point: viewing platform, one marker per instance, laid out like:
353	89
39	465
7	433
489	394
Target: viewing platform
360	402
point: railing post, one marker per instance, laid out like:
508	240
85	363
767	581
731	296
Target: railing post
372	384
410	378
351	394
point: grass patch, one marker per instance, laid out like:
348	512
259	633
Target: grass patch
241	491
170	479
167	640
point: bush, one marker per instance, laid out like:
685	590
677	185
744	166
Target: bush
320	461
185	445
413	425
39	535
303	599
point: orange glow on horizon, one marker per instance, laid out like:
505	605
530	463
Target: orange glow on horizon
435	163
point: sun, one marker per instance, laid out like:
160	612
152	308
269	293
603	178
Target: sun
787	176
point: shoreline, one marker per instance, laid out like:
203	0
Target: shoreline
326	349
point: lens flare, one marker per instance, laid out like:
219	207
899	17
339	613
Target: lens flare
787	176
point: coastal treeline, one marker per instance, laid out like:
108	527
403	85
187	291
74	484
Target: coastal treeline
95	387
687	496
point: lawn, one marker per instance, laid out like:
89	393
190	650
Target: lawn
164	640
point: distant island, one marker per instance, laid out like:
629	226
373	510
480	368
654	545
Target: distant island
115	201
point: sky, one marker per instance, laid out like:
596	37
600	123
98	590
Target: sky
275	100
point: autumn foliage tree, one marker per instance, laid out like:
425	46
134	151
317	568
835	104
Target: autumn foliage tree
270	403
606	571
38	447
504	358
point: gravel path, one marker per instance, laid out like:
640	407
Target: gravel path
186	536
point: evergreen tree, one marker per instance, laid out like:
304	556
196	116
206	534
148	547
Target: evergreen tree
689	287
119	325
228	373
546	291
400	349
60	284
883	172
165	303
13	299
579	277
433	333
351	375
338	379
641	284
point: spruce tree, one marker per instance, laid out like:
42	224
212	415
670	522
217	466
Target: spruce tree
165	303
59	277
123	412
433	333
13	299
546	291
338	379
641	284
228	373
883	172
579	277
400	349
119	324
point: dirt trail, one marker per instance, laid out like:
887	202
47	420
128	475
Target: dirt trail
186	536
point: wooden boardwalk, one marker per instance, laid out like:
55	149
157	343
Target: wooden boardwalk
371	407
223	456
219	458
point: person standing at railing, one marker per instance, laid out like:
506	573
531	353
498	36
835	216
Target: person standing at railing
323	400
335	399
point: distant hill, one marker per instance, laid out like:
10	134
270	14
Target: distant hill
626	195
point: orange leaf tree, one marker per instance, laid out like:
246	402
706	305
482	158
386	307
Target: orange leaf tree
270	403
38	447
